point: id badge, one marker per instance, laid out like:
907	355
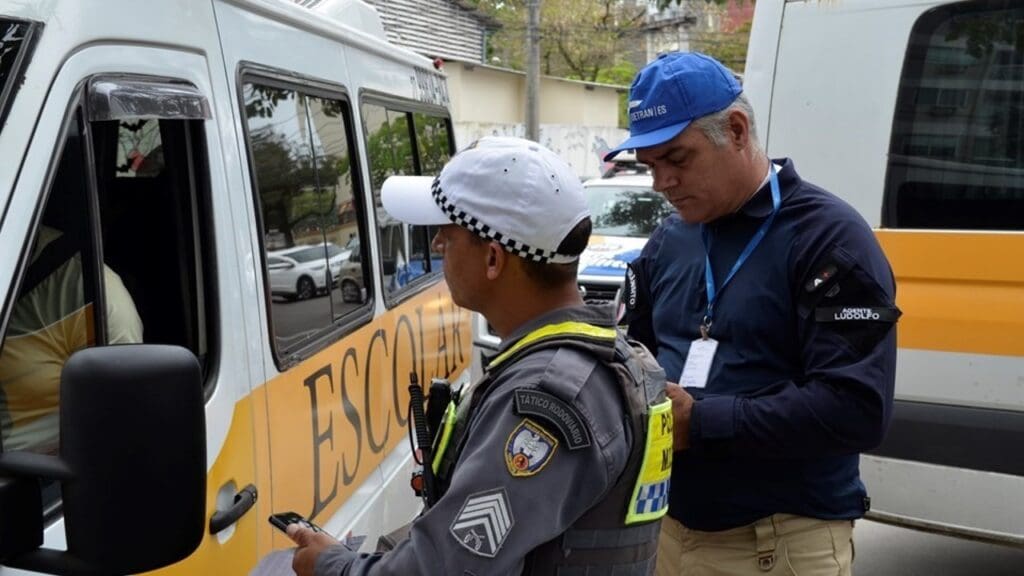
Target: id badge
698	363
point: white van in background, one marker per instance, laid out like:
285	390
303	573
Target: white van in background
913	111
156	158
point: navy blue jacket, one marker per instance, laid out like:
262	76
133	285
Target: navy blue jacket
802	380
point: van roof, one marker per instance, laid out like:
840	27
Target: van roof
68	27
351	15
352	22
338	19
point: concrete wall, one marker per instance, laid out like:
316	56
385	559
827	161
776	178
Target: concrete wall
578	120
485	94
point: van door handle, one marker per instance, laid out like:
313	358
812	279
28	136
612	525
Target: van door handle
244	500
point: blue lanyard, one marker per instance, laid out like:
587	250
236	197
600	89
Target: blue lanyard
709	278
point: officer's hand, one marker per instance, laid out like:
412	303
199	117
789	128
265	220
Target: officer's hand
311	544
682	405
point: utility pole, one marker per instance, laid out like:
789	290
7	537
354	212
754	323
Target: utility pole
533	70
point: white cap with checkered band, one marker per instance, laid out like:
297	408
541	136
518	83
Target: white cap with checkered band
513	191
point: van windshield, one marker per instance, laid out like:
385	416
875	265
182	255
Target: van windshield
15	36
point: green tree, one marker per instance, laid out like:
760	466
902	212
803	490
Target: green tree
432	141
622	74
389	146
591	39
389	150
983	32
288	184
578	38
667	3
729	48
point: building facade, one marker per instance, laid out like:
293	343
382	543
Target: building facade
448	29
578	120
681	26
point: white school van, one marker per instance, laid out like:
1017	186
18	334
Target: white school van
913	111
159	398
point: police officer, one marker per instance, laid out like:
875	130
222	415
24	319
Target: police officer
559	458
770	301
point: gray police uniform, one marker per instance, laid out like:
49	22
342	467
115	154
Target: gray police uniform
545	464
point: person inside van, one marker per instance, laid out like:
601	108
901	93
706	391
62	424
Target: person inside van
50	321
550	465
771	303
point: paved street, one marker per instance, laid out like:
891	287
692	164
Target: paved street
884	550
294	320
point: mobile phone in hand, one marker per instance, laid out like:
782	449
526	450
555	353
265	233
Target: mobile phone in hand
282	520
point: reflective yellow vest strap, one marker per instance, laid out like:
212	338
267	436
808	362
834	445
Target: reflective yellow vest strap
650	494
562	329
447	427
569	329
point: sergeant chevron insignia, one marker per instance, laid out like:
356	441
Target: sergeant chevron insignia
484	522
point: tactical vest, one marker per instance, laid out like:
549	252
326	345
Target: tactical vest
620	534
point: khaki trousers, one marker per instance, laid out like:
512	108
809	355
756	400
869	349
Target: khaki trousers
779	545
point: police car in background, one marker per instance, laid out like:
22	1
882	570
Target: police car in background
624	209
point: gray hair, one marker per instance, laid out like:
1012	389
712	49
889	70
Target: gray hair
716	125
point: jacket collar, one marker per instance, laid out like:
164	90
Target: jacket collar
760	204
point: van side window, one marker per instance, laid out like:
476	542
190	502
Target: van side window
309	210
956	159
117	257
17	38
404	143
433	141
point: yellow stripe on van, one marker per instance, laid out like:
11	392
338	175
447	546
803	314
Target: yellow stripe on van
959	291
310	436
237	554
333	419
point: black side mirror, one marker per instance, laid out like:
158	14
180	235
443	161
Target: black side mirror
133	442
21	502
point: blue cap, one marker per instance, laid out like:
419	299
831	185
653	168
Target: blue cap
671	92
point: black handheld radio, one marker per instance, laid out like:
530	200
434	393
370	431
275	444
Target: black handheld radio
423	481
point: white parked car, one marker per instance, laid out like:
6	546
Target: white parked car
300	272
350	275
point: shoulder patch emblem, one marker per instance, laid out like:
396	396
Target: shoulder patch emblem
821	277
529	449
483	523
562	415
